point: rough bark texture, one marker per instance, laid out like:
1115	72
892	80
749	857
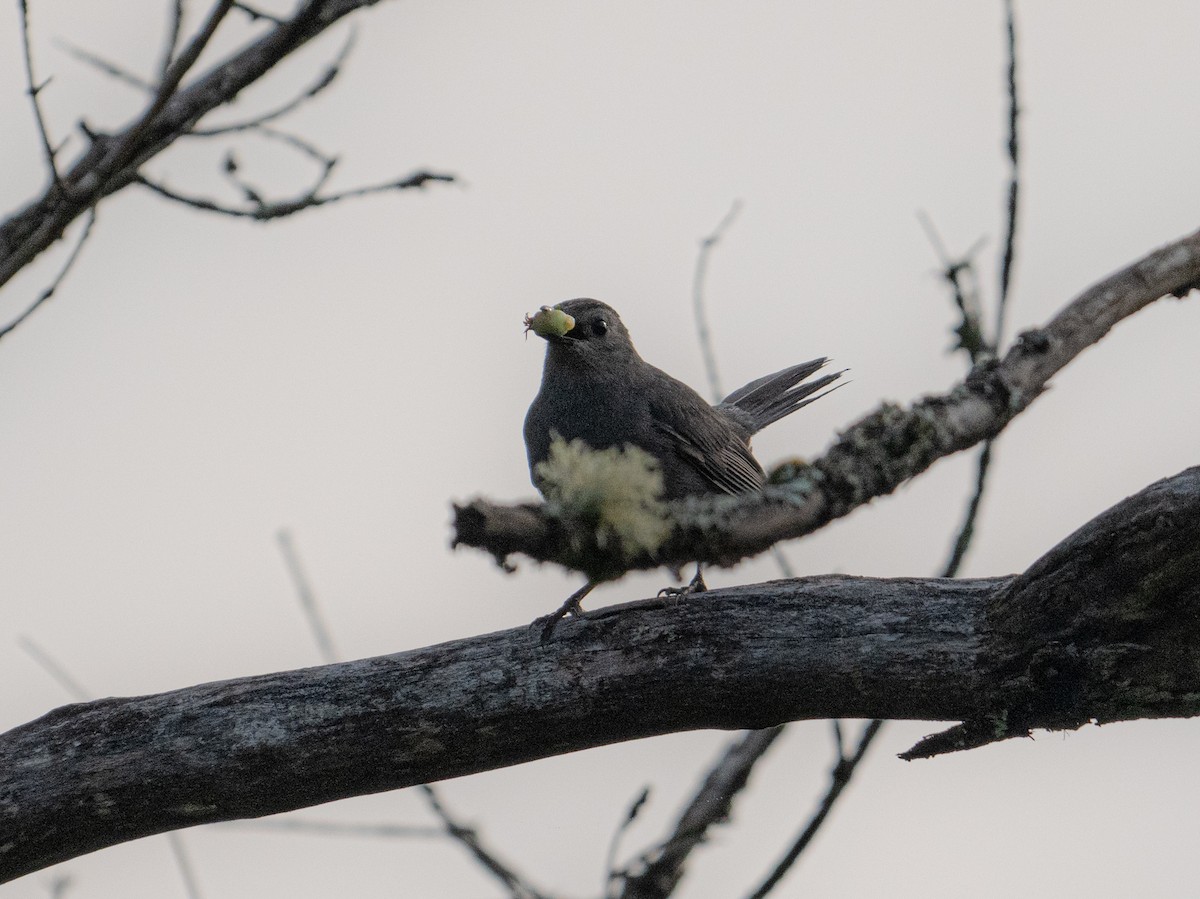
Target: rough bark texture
870	459
1106	626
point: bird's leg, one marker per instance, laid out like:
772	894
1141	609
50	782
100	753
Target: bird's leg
697	585
572	606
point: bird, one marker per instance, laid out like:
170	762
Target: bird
597	389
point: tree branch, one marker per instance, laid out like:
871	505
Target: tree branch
710	806
1104	627
112	161
34	90
871	458
839	777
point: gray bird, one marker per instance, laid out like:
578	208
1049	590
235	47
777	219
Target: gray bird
596	388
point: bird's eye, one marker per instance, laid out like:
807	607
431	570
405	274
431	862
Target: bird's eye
599	327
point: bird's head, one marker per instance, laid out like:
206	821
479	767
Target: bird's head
582	329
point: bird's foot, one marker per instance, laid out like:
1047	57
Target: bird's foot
696	585
572	606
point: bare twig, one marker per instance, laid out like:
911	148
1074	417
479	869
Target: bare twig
959	275
111	69
266	211
48	292
337	828
35	89
843	770
325	163
173	30
702	330
517	887
1014	108
256	15
57	672
963	541
710	806
183	862
308	599
613	876
324	80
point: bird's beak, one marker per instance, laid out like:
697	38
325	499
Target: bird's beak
549	323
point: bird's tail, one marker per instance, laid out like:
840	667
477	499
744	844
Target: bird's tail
770	398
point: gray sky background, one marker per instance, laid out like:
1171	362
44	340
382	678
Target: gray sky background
199	383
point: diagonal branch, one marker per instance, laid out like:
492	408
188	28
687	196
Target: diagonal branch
323	81
112	161
49	291
513	882
710	806
871	458
839	777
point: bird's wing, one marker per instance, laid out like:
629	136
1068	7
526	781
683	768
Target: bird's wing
727	465
702	437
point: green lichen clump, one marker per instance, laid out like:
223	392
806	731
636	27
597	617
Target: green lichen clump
616	491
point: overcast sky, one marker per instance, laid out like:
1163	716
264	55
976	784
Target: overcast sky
198	383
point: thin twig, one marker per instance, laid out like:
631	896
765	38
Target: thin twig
173	29
710	806
34	90
57	672
267	211
963	541
111	69
613	876
256	15
698	278
74	688
62	273
308	599
323	81
1014	108
337	828
842	771
959	275
517	887
325	162
183	862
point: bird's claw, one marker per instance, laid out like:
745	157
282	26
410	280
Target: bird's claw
572	606
696	585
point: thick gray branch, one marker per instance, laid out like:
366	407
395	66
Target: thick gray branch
1106	626
870	459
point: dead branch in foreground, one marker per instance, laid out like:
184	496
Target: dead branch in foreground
1105	627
